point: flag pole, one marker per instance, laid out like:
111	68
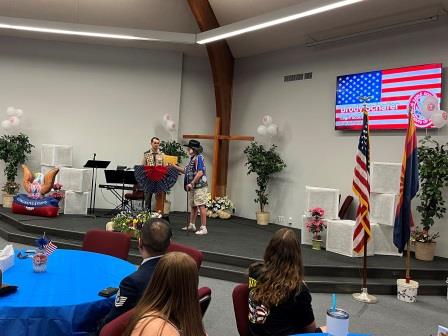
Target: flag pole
364	296
408	262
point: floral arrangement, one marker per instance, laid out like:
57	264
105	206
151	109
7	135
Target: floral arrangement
316	224
218	205
57	192
131	221
423	236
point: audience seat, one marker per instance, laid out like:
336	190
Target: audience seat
191	251
205	296
116	244
240	296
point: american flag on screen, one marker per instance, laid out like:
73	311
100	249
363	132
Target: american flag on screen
49	248
391	92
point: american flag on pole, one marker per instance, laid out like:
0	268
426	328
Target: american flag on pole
49	248
392	91
361	187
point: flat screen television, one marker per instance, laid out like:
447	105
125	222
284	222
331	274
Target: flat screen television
391	92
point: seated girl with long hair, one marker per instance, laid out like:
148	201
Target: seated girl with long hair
279	300
169	306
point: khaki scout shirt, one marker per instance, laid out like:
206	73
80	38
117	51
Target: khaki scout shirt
152	158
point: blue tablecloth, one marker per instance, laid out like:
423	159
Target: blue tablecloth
64	300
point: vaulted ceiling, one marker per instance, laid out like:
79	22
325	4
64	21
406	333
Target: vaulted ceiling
176	16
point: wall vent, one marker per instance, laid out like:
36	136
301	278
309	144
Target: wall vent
297	77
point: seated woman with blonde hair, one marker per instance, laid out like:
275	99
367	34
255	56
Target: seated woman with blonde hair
169	306
279	300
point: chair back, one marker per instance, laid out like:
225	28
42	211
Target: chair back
117	326
116	244
191	251
205	296
240	296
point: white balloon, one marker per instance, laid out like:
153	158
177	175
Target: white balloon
262	130
166	117
429	105
272	129
267	120
10	110
437	120
170	125
19	112
6	124
14	121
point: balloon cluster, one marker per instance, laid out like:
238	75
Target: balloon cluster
267	127
430	110
13	117
168	122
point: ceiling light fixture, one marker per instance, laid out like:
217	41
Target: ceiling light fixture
263	21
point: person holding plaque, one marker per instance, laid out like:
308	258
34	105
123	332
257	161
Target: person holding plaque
154	157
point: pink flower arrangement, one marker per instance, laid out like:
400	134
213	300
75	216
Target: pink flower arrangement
316	224
57	192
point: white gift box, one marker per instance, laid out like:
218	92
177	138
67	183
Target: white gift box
45	169
325	198
383	236
6	258
56	155
76	203
382	208
306	237
385	177
75	179
340	238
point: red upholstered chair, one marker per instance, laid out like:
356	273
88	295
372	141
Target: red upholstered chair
240	296
117	326
135	195
116	244
191	251
205	296
345	206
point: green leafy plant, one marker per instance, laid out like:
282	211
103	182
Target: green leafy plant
263	162
433	171
14	150
173	148
131	222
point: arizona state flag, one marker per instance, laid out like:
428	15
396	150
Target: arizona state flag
409	184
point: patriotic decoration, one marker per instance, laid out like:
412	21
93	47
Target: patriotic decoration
361	187
155	179
391	92
49	248
409	185
46	245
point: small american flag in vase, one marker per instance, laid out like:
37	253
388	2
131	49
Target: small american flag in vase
49	248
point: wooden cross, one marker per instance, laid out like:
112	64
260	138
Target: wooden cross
217	137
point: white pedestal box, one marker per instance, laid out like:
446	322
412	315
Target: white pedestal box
56	155
340	238
325	198
385	178
307	237
383	237
74	179
76	203
46	169
383	208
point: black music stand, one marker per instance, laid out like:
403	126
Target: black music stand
94	164
120	177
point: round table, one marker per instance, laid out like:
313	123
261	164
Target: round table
64	300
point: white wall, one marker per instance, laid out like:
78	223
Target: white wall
104	100
315	153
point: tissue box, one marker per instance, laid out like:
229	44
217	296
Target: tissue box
74	179
7	260
306	237
340	238
56	155
385	178
76	203
383	208
325	198
383	236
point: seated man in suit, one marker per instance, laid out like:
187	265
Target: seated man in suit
155	237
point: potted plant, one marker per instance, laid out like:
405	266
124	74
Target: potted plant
130	222
263	162
316	225
433	171
14	150
173	150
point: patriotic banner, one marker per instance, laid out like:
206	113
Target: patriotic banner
392	91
